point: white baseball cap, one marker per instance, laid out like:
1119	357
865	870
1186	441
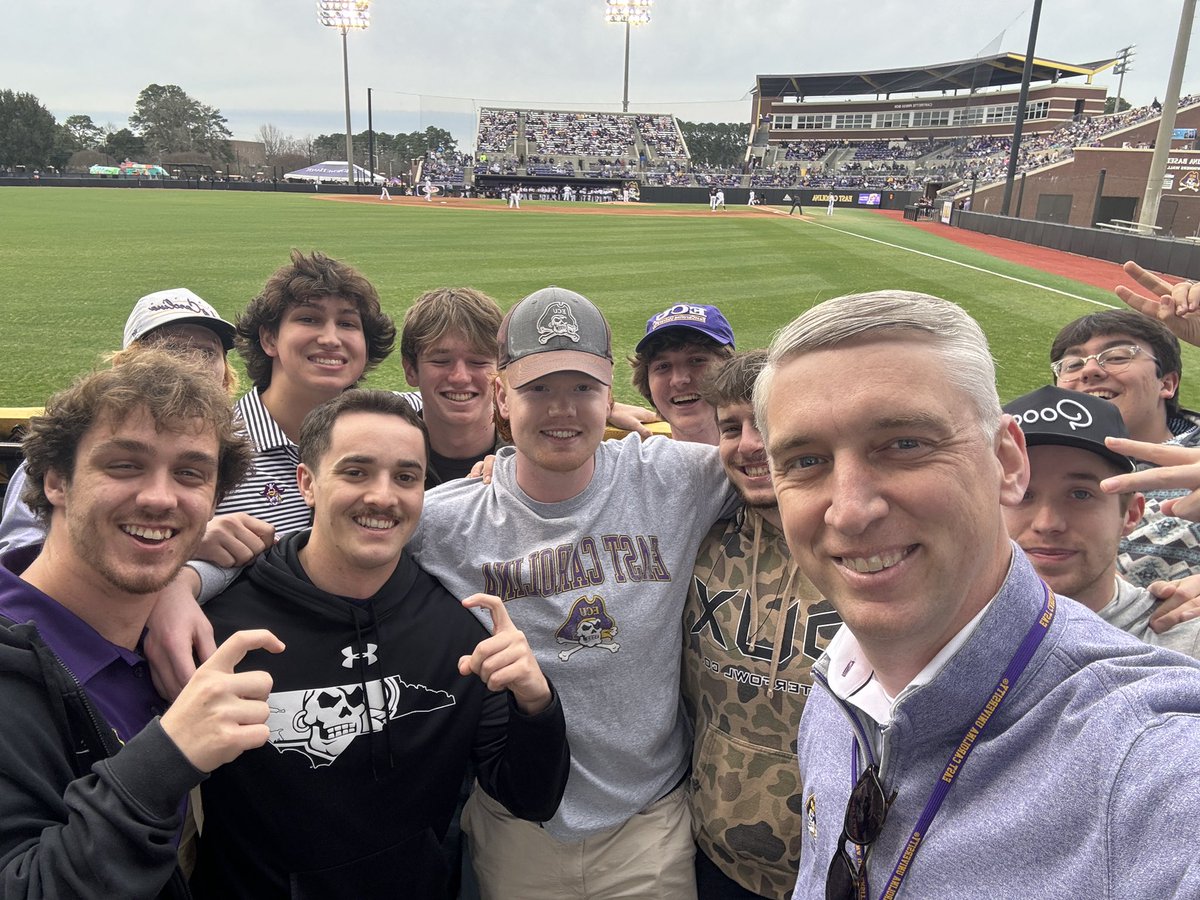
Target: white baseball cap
177	306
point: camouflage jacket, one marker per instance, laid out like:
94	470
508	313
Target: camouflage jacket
1163	547
753	627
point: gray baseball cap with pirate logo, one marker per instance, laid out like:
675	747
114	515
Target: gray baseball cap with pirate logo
177	306
555	330
1054	415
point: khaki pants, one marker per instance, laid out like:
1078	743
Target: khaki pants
649	857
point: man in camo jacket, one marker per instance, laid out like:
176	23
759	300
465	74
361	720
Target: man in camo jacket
753	626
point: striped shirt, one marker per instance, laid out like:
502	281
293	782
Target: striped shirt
269	492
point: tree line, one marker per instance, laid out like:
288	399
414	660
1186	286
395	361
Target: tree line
716	143
170	127
166	122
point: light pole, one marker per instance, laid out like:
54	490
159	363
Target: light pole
1124	55
1166	124
1022	99
631	12
344	15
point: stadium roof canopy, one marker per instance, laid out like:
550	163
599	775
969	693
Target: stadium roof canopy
1000	70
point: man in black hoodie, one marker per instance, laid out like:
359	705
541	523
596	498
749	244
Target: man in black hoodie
390	687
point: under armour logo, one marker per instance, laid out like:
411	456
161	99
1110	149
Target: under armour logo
351	656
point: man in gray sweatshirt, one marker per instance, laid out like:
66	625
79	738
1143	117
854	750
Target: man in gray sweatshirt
969	732
591	546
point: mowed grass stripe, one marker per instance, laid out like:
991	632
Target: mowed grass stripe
76	259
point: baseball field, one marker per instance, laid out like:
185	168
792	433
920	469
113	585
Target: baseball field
75	259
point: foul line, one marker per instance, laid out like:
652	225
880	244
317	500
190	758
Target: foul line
955	262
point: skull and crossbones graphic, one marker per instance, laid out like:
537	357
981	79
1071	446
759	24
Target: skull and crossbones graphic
557	321
588	626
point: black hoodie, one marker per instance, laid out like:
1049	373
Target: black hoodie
77	817
372	730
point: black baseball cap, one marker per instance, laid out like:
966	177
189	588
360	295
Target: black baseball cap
1053	415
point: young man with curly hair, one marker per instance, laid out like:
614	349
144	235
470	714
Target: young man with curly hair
125	467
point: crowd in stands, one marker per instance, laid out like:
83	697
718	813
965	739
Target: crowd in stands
813	150
447	167
606	145
487	164
611	168
668	177
661	136
497	130
579	133
536	165
714	176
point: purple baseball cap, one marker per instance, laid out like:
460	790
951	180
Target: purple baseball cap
707	320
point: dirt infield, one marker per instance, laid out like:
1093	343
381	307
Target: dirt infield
672	210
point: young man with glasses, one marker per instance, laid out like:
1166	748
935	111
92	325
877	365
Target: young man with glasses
969	733
1134	362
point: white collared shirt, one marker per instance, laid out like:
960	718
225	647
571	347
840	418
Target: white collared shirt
852	677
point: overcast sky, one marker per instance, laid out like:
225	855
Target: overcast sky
436	62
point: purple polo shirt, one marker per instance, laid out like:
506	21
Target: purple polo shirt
117	680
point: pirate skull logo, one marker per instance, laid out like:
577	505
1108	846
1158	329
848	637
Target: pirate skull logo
557	321
588	626
333	717
590	632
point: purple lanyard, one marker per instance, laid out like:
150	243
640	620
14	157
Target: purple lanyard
958	758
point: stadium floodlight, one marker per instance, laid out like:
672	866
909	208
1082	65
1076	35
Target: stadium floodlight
631	12
345	15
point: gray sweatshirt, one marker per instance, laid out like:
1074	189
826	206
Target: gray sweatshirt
1130	611
597	583
1084	783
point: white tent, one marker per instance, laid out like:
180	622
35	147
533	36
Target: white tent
329	171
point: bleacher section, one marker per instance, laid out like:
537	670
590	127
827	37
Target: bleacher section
497	131
564	146
579	134
571	145
446	168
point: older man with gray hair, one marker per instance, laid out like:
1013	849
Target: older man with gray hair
972	733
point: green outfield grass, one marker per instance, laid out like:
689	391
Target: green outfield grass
74	260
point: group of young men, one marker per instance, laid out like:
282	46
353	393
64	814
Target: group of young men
617	639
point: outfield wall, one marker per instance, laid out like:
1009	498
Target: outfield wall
1159	254
844	197
774	196
185	184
